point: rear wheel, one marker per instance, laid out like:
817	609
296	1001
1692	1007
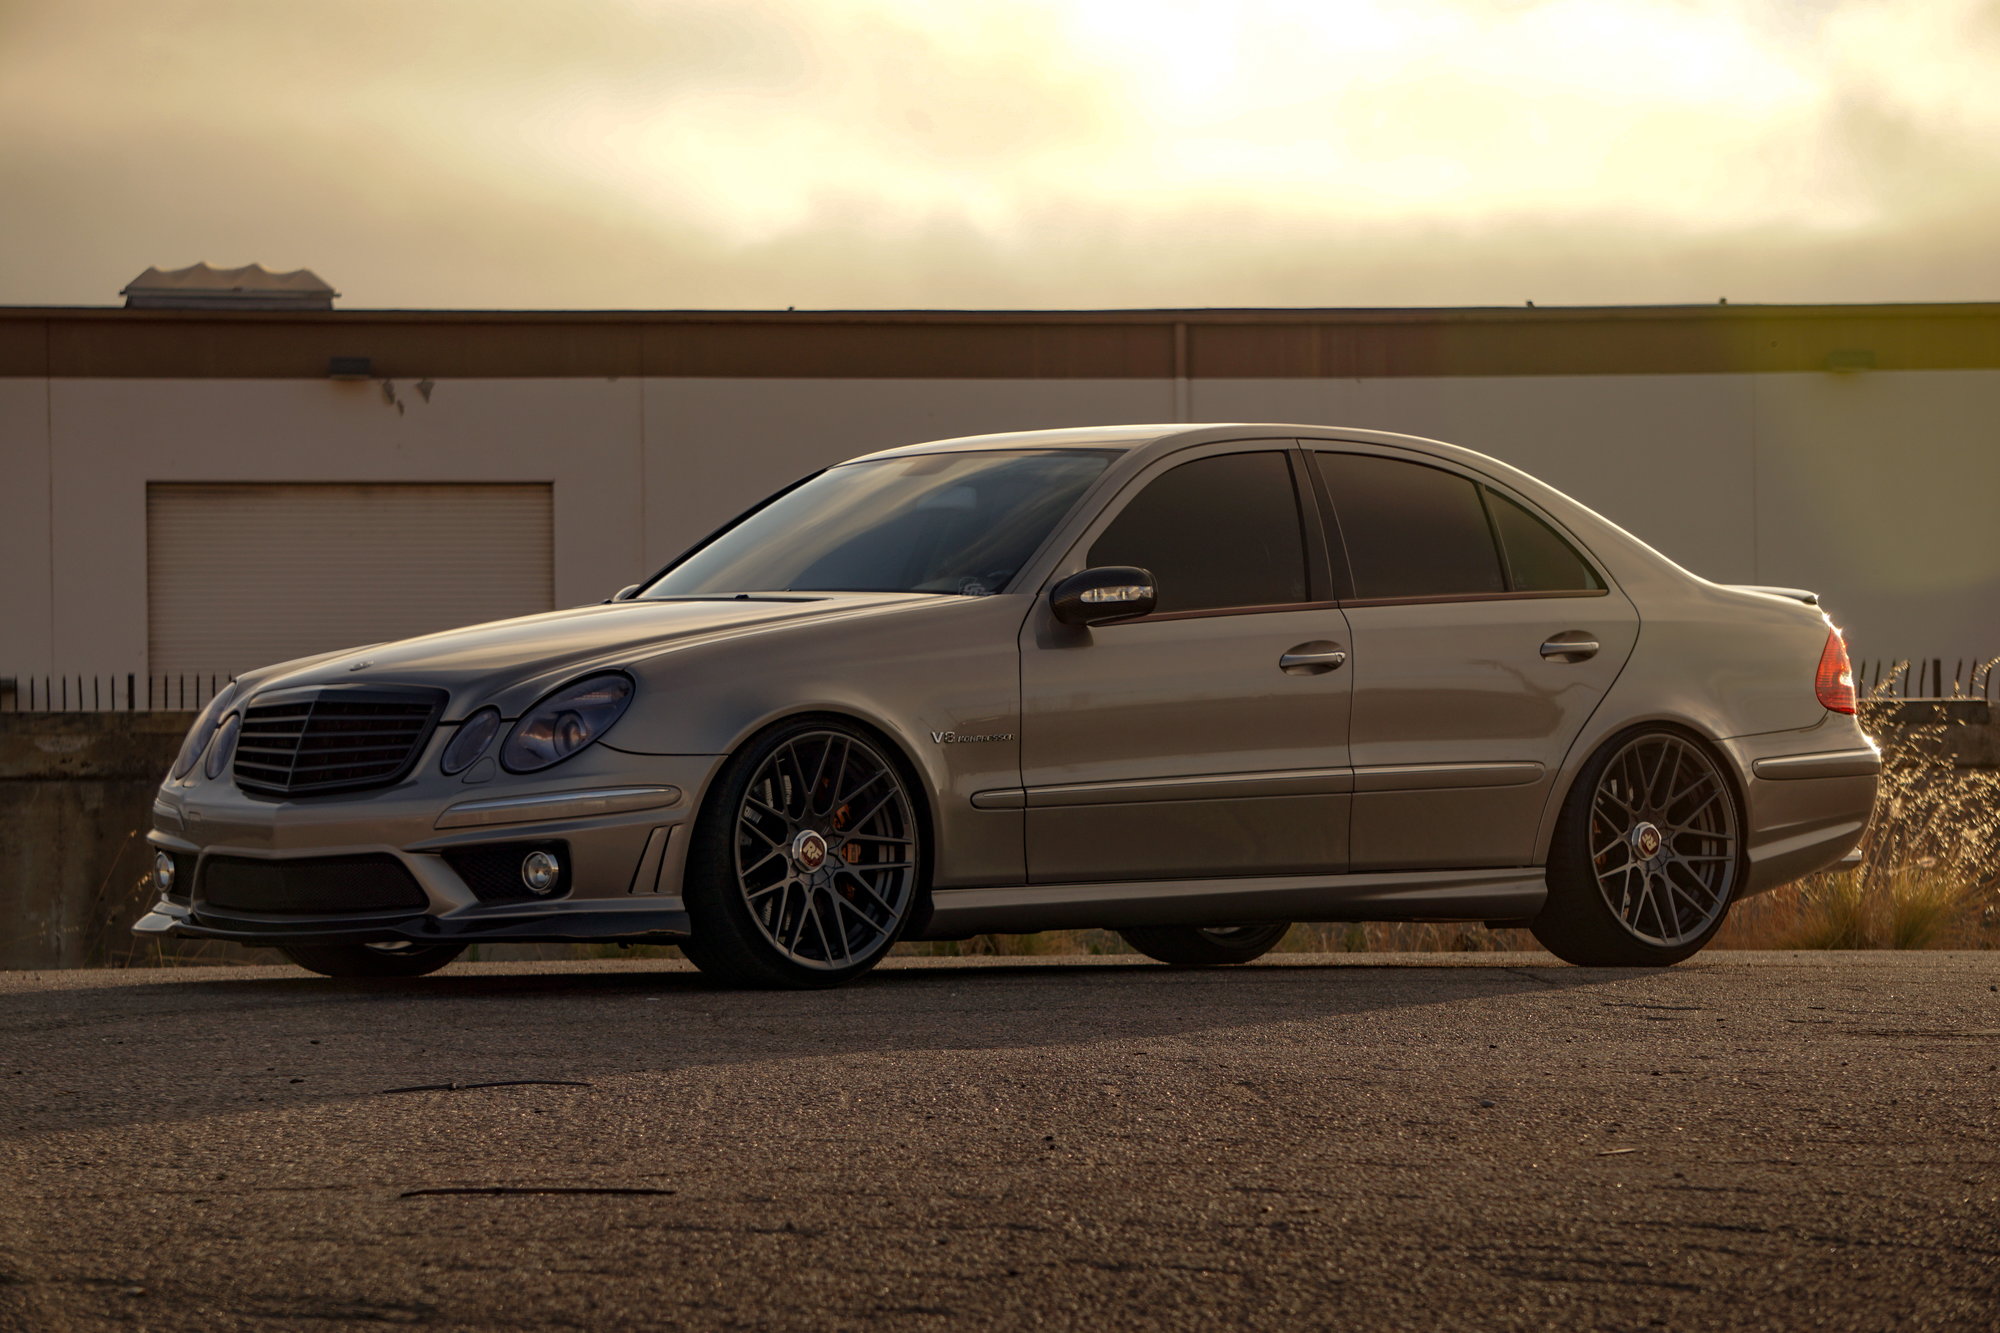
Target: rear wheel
372	960
1647	855
1205	946
805	861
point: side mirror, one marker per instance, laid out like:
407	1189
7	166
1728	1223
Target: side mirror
625	593
1097	596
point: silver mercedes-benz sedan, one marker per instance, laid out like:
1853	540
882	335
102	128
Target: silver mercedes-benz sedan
1190	683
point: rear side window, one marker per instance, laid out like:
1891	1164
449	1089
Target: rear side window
1411	530
1215	533
1538	559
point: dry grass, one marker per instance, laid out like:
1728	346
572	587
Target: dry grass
1930	863
1854	909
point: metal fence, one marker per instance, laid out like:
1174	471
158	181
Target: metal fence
107	694
1968	678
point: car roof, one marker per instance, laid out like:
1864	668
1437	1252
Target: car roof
1120	438
1161	438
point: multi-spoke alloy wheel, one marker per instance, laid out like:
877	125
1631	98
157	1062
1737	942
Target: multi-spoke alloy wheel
806	864
1646	855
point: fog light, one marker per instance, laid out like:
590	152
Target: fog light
163	872
539	871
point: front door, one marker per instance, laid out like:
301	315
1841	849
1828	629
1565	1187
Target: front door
1482	642
1209	738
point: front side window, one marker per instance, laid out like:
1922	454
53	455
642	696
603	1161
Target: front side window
1410	530
945	523
1216	533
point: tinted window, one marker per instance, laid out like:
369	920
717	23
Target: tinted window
1538	559
1410	530
952	523
1217	532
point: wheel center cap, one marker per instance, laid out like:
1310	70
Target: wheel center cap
809	851
1646	841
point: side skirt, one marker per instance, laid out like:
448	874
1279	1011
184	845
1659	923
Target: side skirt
1514	894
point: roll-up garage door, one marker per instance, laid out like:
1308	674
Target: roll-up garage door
242	575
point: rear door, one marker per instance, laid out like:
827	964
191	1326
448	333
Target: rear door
1483	640
1183	744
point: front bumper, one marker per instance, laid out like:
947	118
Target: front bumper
621	822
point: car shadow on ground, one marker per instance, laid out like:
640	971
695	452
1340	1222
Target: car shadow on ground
117	1049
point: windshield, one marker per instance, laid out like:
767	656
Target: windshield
950	523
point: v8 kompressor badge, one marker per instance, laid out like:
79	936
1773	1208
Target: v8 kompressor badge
954	738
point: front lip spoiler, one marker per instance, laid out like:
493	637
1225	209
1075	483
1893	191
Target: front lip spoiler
634	925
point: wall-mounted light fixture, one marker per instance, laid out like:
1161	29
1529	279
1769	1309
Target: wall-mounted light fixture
350	368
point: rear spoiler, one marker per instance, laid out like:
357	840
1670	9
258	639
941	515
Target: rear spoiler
1796	594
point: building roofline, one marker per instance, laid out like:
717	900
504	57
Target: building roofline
1171	344
1114	315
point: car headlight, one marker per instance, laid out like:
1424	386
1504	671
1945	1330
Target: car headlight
203	731
222	747
565	722
474	735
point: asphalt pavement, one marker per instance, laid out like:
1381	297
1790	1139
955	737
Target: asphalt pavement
1387	1141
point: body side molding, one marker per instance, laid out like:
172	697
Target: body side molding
1430	777
1282	782
1830	764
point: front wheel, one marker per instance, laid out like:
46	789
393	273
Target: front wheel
1205	946
805	861
371	960
1646	857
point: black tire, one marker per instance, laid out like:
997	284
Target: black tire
367	960
1205	946
1620	896
763	911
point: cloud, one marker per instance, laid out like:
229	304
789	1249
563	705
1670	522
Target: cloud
1095	152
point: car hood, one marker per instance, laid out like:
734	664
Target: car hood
513	662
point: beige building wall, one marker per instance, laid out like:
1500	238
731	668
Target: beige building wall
1876	489
26	637
1883	489
1668	456
714	447
114	436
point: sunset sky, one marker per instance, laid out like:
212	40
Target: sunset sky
1031	153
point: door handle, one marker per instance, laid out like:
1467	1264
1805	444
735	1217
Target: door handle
1312	659
1572	646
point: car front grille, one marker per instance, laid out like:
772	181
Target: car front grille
319	885
336	738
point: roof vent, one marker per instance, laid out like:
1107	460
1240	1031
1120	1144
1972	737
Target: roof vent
252	287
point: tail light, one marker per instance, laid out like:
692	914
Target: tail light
1834	681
